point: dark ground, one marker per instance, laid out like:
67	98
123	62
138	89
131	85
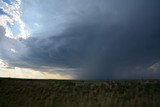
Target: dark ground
70	93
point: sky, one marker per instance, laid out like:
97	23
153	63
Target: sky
80	39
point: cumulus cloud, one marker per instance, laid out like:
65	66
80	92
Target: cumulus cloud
12	15
90	39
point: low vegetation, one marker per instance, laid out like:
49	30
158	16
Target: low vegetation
68	93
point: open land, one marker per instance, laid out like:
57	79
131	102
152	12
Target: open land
79	93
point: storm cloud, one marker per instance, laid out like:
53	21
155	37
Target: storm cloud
100	39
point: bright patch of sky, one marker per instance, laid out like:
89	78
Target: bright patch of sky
17	72
10	19
54	24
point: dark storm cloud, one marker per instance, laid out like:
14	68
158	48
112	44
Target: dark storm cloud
106	40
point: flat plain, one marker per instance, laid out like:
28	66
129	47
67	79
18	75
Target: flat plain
79	93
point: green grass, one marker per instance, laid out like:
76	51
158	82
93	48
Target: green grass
68	93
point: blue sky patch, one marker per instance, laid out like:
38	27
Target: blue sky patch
9	1
2	12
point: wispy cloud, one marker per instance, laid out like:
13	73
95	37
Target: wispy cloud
14	14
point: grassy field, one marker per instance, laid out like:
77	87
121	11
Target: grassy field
68	93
